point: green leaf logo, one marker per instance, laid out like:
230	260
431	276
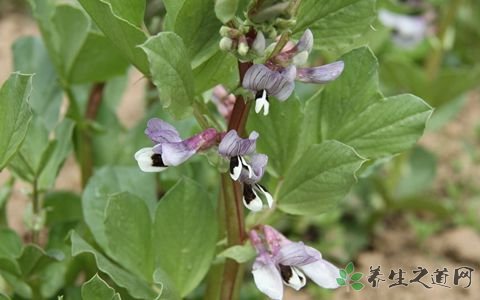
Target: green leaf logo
349	278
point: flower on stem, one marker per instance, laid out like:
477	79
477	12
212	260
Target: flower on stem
408	31
280	261
248	167
277	76
170	149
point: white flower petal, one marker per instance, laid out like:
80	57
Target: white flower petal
268	279
323	273
261	101
235	167
251	199
266	194
146	162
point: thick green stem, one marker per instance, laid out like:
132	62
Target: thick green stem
36	211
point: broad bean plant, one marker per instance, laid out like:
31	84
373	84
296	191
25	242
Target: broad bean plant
256	111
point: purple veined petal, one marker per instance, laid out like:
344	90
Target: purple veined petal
321	74
292	277
296	254
323	273
149	161
274	239
257	78
267	277
160	131
174	154
305	43
281	84
233	145
258	163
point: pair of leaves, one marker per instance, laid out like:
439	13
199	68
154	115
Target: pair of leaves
345	122
177	236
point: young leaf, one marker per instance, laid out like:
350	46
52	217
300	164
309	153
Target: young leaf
358	286
185	234
279	133
137	287
319	179
356	276
335	23
226	9
127	227
343	274
97	289
353	111
349	268
121	22
112	180
16	114
171	72
239	253
341	282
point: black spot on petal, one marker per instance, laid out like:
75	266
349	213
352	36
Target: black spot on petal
157	160
286	272
248	193
259	95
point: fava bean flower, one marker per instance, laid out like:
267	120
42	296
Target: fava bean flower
280	261
277	76
248	167
170	149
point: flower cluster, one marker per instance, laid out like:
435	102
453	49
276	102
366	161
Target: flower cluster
277	76
279	261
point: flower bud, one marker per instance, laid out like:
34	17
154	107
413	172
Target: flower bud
226	44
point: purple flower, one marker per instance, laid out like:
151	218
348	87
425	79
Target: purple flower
170	149
247	167
277	76
280	261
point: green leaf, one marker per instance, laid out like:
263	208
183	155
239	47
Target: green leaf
10	244
34	152
239	253
135	285
357	286
341	282
335	24
195	22
127	219
319	179
112	180
92	65
353	111
62	145
171	72
4	297
62	207
221	68
279	133
185	234
121	22
16	114
350	268
31	57
226	9
343	274
97	289
356	276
